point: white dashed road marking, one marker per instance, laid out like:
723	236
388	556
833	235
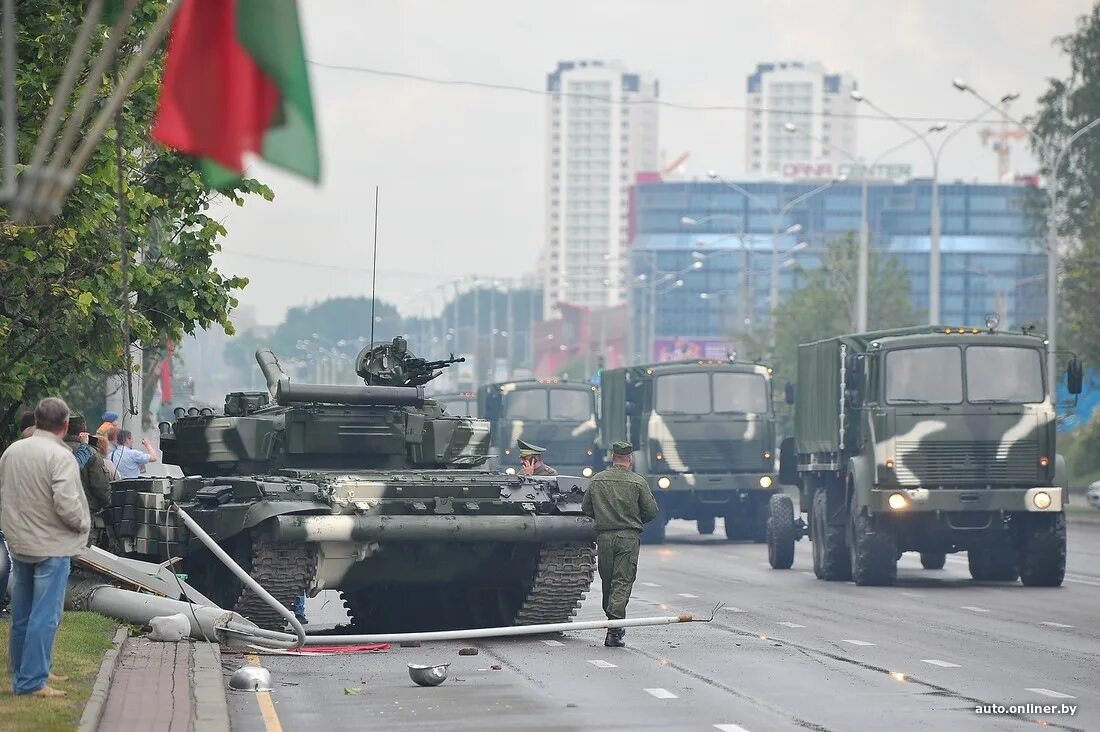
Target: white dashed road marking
602	664
806	572
941	664
1052	694
662	693
912	594
1052	624
650	584
973	609
553	643
730	728
689	595
789	624
857	642
732	609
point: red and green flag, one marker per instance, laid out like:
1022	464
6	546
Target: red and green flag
235	82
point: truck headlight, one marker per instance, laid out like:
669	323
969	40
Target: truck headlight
765	481
587	472
897	501
1041	500
664	483
509	471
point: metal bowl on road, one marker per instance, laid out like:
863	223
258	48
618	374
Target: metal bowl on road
428	675
251	678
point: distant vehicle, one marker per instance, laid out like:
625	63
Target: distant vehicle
1094	494
458	404
552	413
704	437
928	439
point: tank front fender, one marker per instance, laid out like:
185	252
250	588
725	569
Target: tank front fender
257	513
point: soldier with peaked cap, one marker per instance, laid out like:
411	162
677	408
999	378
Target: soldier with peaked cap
621	502
531	458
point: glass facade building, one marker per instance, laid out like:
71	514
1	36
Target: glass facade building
701	252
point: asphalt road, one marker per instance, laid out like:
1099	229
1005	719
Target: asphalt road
787	652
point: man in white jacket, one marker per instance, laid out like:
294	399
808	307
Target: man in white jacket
44	516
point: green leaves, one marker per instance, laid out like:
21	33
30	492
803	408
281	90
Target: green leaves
64	296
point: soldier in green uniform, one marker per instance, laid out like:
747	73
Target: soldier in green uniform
621	502
531	458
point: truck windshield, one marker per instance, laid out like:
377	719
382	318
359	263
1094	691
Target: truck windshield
564	405
683	393
456	407
740	393
924	375
694	394
526	404
572	405
1004	374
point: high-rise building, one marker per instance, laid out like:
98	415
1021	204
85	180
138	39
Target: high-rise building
600	132
805	95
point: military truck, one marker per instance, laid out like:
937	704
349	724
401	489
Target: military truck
459	404
552	413
704	437
369	489
928	439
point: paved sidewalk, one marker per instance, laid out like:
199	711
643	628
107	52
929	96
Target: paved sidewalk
166	687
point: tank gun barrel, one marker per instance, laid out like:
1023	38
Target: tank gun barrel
283	392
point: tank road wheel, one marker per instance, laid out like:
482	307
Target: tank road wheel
874	551
561	580
933	560
654	531
782	532
283	569
831	559
1043	550
994	562
705	525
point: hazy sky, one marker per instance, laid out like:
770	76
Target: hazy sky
461	168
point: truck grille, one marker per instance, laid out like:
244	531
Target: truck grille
712	456
958	463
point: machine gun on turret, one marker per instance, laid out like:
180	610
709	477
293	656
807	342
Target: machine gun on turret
392	364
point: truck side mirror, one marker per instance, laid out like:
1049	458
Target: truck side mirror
788	393
1074	376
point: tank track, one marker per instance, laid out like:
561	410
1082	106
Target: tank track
283	569
562	579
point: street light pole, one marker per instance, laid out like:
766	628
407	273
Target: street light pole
1046	148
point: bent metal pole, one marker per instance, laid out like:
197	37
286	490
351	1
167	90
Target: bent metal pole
287	640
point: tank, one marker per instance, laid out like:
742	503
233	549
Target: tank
370	489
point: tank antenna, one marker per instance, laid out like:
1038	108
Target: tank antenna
374	268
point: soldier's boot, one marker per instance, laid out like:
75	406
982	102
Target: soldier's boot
614	638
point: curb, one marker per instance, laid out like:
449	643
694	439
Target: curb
210	708
1083	519
93	709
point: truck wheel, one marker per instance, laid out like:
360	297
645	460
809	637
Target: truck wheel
831	560
994	562
874	552
933	560
1043	550
782	532
705	525
654	531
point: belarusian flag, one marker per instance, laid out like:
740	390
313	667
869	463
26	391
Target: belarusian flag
235	81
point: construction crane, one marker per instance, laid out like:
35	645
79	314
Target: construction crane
1001	139
675	169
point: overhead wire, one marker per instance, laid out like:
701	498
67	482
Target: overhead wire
683	106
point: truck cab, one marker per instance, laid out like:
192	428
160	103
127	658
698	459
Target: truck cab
704	438
934	440
557	415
